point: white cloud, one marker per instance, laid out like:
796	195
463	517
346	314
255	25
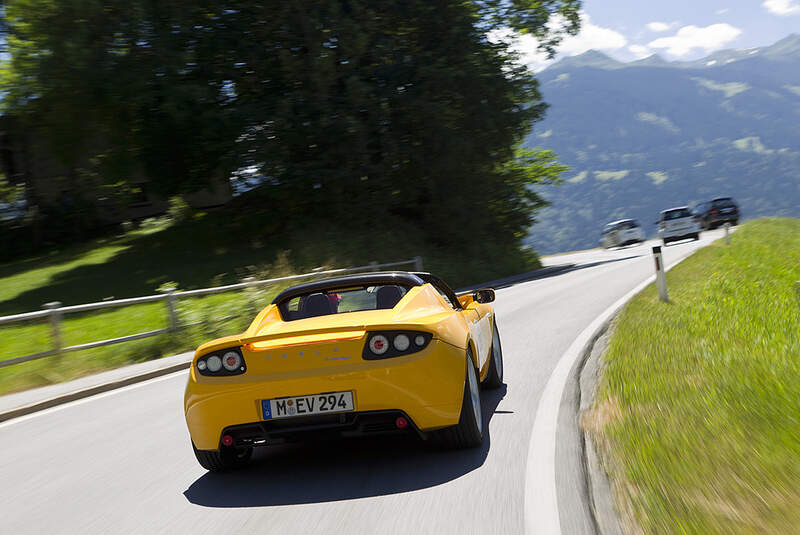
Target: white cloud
591	37
640	51
782	7
688	38
658	26
722	11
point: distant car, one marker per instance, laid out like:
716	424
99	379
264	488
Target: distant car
678	223
622	232
359	355
717	212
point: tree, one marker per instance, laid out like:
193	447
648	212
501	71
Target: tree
354	110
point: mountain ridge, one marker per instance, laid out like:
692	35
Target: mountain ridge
789	46
642	136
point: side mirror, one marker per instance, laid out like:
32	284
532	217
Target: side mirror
484	295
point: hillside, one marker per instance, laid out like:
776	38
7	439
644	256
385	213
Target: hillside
644	136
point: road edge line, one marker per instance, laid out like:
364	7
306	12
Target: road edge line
541	514
90	391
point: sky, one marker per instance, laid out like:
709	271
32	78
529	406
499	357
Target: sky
675	29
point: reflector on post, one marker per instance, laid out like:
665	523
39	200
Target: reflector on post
661	276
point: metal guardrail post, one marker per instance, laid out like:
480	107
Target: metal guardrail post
727	233
55	324
172	312
249	290
661	276
418	263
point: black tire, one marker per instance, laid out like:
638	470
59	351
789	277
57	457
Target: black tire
494	379
696	236
224	460
735	222
468	433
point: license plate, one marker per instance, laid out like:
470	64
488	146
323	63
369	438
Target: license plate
329	402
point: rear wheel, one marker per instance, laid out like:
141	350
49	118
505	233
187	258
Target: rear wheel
494	379
468	433
696	236
223	460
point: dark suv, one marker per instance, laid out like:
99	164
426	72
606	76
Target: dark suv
717	212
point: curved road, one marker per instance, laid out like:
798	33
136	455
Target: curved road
121	462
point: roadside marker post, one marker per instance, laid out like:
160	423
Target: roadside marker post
661	276
727	233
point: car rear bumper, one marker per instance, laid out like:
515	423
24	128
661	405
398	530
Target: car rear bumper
721	219
320	427
427	387
686	232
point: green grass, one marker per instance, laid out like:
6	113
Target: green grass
207	249
698	413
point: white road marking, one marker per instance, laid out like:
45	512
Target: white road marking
90	398
541	498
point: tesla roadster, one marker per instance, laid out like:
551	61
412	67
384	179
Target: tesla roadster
359	355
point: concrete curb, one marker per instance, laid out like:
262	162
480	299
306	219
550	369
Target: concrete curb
598	483
61	399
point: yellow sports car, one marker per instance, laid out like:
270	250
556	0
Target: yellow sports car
352	356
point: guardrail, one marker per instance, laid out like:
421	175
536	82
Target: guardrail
55	312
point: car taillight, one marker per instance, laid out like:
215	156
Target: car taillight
387	344
714	212
378	344
221	363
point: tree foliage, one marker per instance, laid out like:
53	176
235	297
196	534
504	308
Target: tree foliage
353	110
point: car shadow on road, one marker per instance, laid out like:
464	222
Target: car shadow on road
341	470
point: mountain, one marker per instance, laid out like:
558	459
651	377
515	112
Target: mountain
643	136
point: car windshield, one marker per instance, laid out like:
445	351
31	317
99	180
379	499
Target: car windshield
676	214
341	300
724	203
631	223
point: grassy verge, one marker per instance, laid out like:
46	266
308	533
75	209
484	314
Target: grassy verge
217	315
698	413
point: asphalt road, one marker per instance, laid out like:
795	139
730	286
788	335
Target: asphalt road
121	462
